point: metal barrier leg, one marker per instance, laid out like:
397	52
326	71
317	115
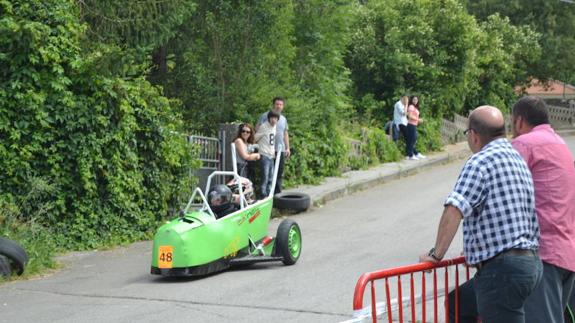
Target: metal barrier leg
399	299
423	300
389	316
373	306
412	298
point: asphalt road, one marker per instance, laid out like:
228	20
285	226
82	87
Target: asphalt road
386	226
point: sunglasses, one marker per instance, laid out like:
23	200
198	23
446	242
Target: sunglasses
246	131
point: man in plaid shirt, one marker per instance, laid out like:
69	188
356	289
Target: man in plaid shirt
494	196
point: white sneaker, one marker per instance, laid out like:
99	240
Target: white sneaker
420	156
412	158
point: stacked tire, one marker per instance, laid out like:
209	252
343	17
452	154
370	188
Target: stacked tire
13	258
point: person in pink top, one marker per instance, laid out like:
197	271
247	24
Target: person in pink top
551	164
413	120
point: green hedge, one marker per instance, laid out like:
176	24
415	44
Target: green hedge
107	147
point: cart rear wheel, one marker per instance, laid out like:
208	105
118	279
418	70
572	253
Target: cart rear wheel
288	242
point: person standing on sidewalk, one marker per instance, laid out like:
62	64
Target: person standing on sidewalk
551	165
281	138
265	138
413	120
400	118
494	196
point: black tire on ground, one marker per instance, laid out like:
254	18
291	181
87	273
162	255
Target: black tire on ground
16	254
283	247
5	270
292	201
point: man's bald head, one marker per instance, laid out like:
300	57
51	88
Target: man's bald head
487	122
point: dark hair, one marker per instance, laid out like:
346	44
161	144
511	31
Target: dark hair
411	101
532	109
273	114
486	132
277	98
251	137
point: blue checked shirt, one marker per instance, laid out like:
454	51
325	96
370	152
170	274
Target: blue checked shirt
494	192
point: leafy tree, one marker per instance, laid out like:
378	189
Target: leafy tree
419	47
321	36
142	23
107	146
229	59
503	55
554	19
438	50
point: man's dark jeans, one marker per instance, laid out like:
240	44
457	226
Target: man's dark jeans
397	130
467	311
267	165
500	289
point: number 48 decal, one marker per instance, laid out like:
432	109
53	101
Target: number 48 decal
165	256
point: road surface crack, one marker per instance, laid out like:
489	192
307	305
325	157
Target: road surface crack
185	302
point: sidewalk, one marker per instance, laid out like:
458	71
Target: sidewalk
336	187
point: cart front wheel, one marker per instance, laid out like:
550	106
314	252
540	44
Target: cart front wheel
288	242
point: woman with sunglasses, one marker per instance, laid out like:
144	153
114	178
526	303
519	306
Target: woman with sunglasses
244	143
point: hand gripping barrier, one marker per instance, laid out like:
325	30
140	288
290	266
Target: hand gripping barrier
420	269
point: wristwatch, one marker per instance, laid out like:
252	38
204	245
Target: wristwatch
432	254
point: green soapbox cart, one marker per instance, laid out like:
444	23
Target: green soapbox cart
197	243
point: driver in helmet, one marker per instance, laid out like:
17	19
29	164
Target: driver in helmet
220	201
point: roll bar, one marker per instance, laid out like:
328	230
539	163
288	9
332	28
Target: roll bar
237	177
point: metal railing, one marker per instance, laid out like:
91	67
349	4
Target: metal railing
450	133
397	304
561	116
209	153
209	150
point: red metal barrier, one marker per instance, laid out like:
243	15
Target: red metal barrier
422	268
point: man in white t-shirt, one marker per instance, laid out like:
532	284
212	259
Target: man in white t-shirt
265	138
400	118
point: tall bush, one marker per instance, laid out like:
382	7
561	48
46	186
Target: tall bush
415	47
108	145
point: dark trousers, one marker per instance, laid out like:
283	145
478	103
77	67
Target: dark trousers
498	291
546	304
397	130
411	139
247	170
570	311
467	311
267	171
279	181
548	301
